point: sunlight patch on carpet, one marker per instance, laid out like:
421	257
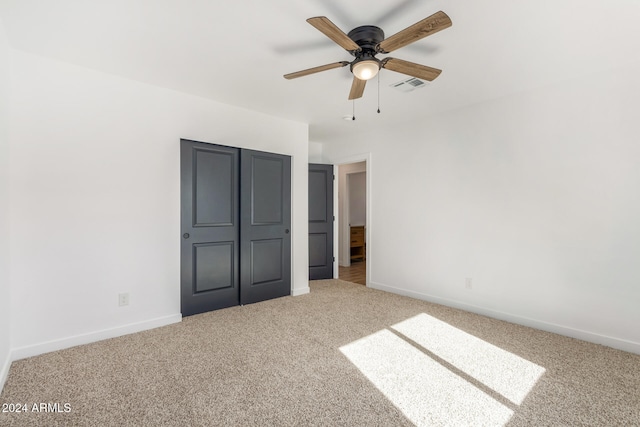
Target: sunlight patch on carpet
509	375
424	390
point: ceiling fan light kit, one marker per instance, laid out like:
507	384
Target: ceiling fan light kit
365	42
365	69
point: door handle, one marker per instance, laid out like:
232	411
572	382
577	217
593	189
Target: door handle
185	235
286	231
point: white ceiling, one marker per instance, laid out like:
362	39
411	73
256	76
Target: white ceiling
236	52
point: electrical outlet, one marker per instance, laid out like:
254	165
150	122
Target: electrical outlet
467	283
123	299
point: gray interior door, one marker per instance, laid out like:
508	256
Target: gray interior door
210	227
265	233
236	226
320	221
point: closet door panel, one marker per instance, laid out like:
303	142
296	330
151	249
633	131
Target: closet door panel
265	226
210	229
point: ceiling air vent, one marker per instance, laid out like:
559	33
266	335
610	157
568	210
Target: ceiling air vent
409	85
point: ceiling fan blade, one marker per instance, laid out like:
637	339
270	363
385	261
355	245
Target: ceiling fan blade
428	26
303	46
329	29
397	9
411	69
315	70
335	9
357	88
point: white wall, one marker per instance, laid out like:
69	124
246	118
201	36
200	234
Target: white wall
358	198
5	288
536	197
96	207
315	152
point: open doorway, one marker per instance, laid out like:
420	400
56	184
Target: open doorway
352	220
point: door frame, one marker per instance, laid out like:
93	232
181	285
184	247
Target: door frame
337	206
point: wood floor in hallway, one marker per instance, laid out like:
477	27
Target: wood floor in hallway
357	273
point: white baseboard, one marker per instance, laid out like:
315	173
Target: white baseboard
300	291
620	344
61	344
4	371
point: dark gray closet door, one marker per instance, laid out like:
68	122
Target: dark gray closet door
320	221
265	233
210	227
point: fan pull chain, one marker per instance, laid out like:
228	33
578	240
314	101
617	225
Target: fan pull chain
378	93
353	115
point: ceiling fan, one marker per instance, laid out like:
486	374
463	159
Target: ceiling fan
365	42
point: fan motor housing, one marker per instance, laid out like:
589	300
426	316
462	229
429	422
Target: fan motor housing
367	37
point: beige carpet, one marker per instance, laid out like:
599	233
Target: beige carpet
342	355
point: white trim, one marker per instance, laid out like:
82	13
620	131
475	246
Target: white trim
4	371
300	291
61	344
336	222
617	343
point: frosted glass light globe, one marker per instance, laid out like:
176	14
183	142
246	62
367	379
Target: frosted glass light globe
366	70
